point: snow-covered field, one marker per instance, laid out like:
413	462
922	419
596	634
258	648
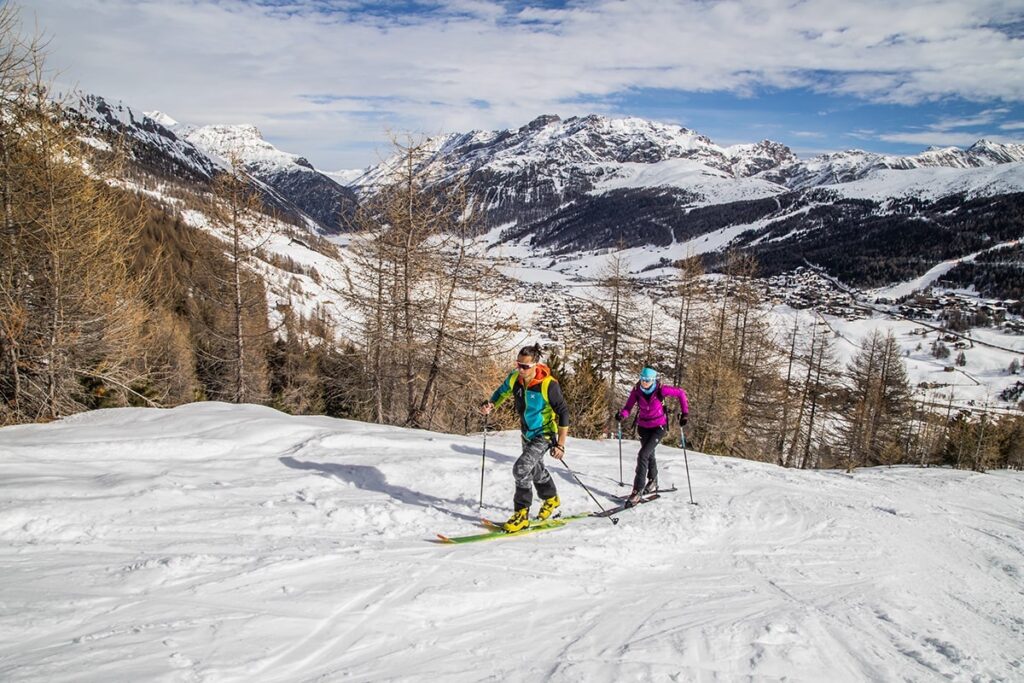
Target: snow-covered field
712	185
975	384
215	542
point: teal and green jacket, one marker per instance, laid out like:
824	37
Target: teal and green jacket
542	408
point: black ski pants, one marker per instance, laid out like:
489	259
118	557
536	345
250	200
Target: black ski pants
529	471
646	466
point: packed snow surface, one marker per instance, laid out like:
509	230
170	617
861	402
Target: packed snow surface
219	542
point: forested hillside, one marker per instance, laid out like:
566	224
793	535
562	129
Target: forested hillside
128	282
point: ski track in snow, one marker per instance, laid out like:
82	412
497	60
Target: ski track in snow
214	542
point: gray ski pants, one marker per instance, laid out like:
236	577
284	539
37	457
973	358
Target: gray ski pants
529	471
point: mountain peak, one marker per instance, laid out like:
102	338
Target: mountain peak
163	119
541	121
244	142
151	141
237	130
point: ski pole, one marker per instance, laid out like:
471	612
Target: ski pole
686	460
615	520
621	483
483	459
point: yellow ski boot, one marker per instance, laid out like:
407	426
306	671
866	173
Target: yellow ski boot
548	507
519	520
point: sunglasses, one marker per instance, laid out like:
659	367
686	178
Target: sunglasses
525	366
647	381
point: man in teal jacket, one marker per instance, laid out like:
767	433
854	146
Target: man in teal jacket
544	422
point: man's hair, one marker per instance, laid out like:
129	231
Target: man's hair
533	352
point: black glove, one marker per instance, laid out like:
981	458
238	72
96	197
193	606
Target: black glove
618	418
682	418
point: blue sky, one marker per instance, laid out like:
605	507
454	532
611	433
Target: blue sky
329	78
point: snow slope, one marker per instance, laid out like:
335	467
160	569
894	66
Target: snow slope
245	142
218	542
934	273
935	182
714	186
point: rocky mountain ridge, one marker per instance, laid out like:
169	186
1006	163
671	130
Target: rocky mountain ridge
288	182
549	165
854	164
584	184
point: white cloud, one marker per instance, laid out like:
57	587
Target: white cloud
479	63
942	139
952	131
982	118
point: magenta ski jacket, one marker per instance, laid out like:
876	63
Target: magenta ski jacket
650	407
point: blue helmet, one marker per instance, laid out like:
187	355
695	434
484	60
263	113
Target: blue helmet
648	373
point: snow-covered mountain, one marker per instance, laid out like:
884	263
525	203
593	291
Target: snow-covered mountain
345	177
246	144
224	542
593	183
300	272
554	158
162	145
529	172
290	175
150	142
851	165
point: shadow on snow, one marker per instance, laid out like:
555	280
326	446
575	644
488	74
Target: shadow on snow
371	479
556	469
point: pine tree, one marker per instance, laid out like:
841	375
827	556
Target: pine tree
20	58
619	311
877	410
230	302
586	392
1011	442
815	362
605	331
71	311
420	295
735	379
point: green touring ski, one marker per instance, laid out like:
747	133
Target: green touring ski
620	508
495	530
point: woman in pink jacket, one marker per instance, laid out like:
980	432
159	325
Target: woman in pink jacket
652	424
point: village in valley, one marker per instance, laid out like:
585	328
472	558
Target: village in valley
958	346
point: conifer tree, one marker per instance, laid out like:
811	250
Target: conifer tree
71	310
816	390
233	329
878	404
691	291
609	331
586	392
419	294
735	378
618	311
1011	442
